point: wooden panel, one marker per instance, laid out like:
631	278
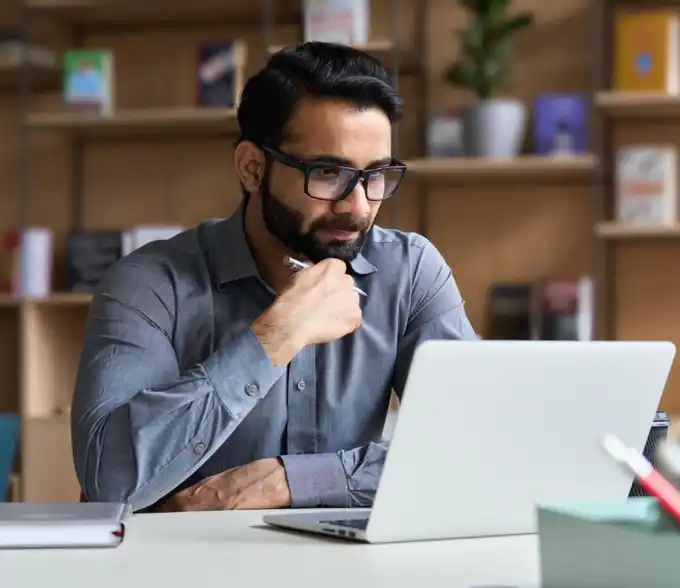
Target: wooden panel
646	296
513	234
644	291
48	474
52	337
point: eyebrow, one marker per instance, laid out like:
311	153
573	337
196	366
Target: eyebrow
334	159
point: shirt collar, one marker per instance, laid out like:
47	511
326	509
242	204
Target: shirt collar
231	259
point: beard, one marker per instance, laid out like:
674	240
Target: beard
285	223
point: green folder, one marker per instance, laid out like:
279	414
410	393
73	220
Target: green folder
630	544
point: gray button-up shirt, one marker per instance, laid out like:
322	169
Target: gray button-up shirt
173	385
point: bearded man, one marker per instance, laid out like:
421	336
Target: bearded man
213	376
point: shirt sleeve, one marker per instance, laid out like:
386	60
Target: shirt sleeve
140	425
350	478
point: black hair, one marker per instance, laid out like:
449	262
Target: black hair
317	70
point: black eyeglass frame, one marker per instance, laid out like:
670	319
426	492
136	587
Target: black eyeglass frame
360	175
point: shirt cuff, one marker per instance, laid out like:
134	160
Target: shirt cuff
316	480
241	373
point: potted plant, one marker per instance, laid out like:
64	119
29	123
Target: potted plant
493	125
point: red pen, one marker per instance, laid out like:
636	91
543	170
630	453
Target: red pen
648	477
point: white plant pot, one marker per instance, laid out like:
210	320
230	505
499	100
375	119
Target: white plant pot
494	128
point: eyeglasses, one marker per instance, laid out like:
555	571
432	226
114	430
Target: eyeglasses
325	180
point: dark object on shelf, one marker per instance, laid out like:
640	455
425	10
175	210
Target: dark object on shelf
88	255
657	434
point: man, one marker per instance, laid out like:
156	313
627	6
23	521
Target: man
215	377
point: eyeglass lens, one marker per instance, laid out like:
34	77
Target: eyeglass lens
330	183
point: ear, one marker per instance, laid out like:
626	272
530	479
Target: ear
249	162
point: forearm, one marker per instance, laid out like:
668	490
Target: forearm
141	450
338	480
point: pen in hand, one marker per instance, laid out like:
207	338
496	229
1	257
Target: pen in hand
300	265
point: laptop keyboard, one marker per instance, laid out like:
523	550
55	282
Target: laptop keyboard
349	523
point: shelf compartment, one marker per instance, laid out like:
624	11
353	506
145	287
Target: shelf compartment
638	105
52	339
40	76
616	230
125	13
147	121
529	168
47	472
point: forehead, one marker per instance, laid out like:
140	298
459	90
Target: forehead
333	127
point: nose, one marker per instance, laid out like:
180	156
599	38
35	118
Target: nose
356	203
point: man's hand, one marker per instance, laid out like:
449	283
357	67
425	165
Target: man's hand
260	484
319	305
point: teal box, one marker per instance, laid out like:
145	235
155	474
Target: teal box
625	545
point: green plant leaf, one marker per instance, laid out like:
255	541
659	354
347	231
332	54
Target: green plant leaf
513	25
472	41
461	75
498	9
486	43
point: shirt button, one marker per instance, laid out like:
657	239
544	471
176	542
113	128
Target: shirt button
301	385
199	448
252	389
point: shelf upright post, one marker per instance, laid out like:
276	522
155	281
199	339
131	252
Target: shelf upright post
423	37
601	39
23	108
268	17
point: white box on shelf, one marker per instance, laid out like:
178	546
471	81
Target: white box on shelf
647	185
337	21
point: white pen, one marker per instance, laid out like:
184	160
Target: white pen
300	265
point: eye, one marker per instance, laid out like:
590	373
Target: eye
328	172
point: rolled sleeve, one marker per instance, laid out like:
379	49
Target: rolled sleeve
316	480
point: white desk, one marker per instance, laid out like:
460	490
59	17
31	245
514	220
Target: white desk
234	549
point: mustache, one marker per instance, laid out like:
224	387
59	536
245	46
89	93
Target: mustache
342	223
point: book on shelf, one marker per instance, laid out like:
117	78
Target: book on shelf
549	309
29	259
90	253
337	21
646	185
560	124
647	50
88	81
220	73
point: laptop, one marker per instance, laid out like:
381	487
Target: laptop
488	430
62	524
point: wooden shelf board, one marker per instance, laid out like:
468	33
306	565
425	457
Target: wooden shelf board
381	49
615	230
217	121
54	299
39	76
61	299
9	301
529	167
121	13
638	105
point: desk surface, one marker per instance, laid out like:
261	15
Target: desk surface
217	549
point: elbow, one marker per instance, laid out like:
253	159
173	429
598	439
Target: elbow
105	464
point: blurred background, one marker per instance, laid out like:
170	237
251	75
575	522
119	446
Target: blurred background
540	137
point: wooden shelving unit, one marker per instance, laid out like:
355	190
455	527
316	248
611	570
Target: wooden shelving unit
638	292
164	166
